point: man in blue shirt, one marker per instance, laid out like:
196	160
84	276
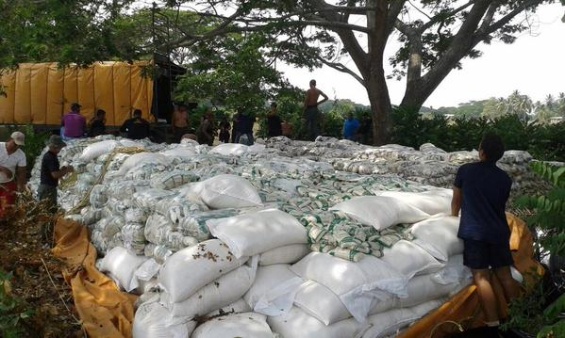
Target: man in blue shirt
480	192
351	127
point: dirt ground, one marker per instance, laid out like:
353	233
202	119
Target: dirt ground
35	301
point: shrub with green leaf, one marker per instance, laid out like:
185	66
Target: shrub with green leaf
548	216
13	311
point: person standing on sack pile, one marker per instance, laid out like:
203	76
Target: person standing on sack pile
74	124
480	192
225	126
136	128
311	111
52	172
274	123
207	130
13	168
243	125
180	123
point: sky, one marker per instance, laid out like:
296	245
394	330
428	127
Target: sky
534	65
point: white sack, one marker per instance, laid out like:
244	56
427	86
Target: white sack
122	264
390	322
298	324
94	150
250	324
239	306
453	272
254	233
353	281
321	303
286	254
141	158
380	212
151	321
188	270
438	236
273	290
410	259
217	294
431	202
229	191
229	149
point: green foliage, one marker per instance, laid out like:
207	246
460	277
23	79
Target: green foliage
526	312
549	210
553	314
35	143
13	311
410	129
548	215
238	77
543	142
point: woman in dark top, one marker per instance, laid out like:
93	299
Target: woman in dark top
98	124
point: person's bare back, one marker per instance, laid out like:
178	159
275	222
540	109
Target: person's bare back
312	96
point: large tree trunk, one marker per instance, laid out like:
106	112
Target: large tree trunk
380	107
373	71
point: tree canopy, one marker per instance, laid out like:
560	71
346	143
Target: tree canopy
434	35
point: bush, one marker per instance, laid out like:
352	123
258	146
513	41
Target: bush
543	142
548	213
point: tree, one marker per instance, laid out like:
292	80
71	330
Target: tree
435	35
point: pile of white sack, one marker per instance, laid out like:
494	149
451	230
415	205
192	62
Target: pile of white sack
285	239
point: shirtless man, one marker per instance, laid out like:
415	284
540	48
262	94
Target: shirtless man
311	112
180	122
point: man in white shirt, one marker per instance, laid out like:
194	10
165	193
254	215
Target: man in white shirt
13	166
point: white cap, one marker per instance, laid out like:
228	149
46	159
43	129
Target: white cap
19	138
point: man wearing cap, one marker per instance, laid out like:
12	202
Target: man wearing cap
74	123
51	172
12	168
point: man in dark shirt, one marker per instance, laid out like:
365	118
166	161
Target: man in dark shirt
480	192
243	125
51	172
274	123
136	128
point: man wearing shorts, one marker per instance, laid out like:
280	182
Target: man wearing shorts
480	192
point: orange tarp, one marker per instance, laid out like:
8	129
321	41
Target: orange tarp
41	93
107	312
103	309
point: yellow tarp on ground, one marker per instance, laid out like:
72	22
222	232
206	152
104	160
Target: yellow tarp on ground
41	93
103	309
107	312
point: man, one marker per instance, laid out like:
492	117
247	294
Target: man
311	112
243	127
136	128
480	192
51	172
13	166
74	124
351	128
274	123
180	123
